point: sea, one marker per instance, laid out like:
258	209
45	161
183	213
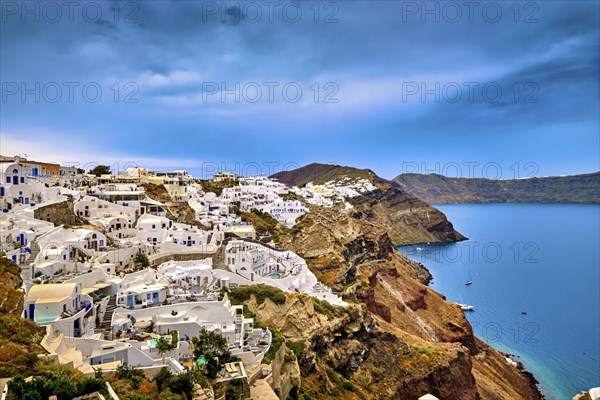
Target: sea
535	273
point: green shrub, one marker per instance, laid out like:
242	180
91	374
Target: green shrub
276	342
326	308
261	292
296	347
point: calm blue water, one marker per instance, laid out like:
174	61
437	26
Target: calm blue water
540	259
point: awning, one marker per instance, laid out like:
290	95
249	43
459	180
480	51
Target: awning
95	288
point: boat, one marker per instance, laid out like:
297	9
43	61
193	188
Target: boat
419	249
466	307
524	312
467	283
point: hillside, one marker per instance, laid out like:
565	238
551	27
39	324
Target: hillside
438	189
19	337
398	340
406	218
321	173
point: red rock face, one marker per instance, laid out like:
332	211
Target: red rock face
452	380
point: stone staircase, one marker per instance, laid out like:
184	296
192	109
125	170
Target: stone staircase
35	250
26	267
107	317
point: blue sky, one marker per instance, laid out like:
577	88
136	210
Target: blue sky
502	89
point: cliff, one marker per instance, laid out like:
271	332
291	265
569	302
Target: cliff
438	189
399	339
351	353
405	218
60	213
178	211
19	337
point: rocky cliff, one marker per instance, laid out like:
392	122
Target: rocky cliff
399	339
60	213
404	217
178	211
351	353
19	337
438	189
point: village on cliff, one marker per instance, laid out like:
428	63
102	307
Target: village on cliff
116	279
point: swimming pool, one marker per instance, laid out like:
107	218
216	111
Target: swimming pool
45	320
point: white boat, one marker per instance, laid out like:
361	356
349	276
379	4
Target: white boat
470	279
466	307
419	249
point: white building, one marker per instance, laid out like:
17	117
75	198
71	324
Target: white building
60	246
189	319
64	306
286	212
17	232
153	229
141	289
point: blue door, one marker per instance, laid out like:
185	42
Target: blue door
34	171
15	180
129	300
22	239
31	311
2	191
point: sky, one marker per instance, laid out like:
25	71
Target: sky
495	89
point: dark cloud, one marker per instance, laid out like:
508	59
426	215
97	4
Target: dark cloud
368	49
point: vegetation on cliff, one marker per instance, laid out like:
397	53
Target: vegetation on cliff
438	189
19	338
321	173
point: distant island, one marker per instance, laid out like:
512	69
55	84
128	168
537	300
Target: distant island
438	189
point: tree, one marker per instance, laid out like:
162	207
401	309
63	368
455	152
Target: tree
209	341
183	384
141	259
163	345
100	170
213	347
132	374
163	378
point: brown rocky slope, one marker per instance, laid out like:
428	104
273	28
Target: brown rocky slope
405	340
406	218
19	337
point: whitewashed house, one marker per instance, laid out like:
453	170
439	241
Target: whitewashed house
142	288
16	234
286	212
60	247
64	306
153	229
